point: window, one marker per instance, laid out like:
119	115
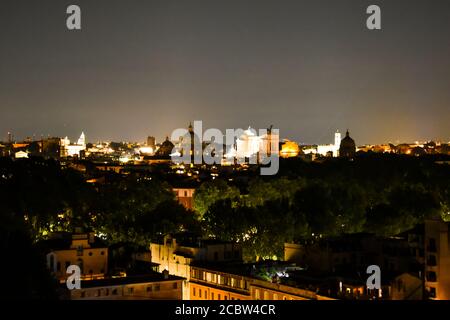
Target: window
193	291
275	296
431	276
199	293
432	292
257	296
212	295
431	245
218	296
149	288
432	260
130	290
90	254
102	253
225	297
206	294
114	292
175	285
226	281
80	251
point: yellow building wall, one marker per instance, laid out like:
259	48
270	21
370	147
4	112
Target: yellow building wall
202	292
94	259
164	290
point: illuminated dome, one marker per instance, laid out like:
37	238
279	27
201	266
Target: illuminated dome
289	149
248	133
248	144
348	147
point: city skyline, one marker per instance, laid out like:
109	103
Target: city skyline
140	69
142	140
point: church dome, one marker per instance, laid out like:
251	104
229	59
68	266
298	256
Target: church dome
166	148
348	146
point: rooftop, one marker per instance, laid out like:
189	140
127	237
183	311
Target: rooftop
147	278
63	241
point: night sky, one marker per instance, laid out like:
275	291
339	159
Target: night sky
141	68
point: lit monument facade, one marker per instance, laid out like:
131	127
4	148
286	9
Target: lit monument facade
251	146
333	149
73	150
